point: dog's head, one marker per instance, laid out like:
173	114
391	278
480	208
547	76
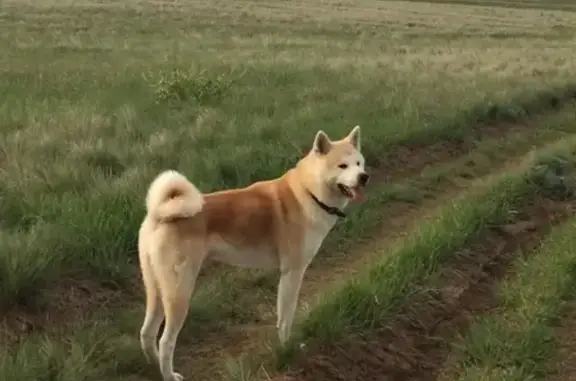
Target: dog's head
339	165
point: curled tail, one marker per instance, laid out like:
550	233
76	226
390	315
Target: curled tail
171	196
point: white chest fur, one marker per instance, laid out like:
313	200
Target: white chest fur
313	240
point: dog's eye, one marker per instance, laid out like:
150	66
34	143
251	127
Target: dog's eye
358	163
343	166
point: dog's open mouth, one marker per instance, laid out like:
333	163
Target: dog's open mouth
355	194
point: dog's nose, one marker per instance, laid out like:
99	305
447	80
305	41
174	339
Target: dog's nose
363	178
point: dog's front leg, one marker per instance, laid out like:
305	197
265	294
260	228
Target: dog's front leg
287	300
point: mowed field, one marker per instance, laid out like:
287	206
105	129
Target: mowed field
458	266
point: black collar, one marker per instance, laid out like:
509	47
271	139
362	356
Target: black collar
328	209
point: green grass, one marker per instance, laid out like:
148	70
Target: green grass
371	297
89	355
97	97
516	341
221	300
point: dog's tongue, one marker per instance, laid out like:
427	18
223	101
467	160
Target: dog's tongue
358	194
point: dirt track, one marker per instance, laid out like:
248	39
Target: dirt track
416	344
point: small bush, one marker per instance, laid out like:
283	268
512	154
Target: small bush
551	178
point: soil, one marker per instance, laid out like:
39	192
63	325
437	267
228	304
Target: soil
416	344
411	158
65	299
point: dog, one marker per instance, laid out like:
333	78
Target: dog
275	224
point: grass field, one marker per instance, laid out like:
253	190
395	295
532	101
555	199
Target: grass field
97	97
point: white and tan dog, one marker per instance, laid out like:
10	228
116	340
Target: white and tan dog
279	223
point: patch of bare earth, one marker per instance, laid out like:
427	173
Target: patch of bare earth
416	342
66	298
564	364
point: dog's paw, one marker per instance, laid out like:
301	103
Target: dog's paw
175	377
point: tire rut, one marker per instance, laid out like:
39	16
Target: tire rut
416	343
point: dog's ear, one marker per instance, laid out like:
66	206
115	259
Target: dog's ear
322	143
354	137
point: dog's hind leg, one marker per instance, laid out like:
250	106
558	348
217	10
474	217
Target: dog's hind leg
154	314
176	283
